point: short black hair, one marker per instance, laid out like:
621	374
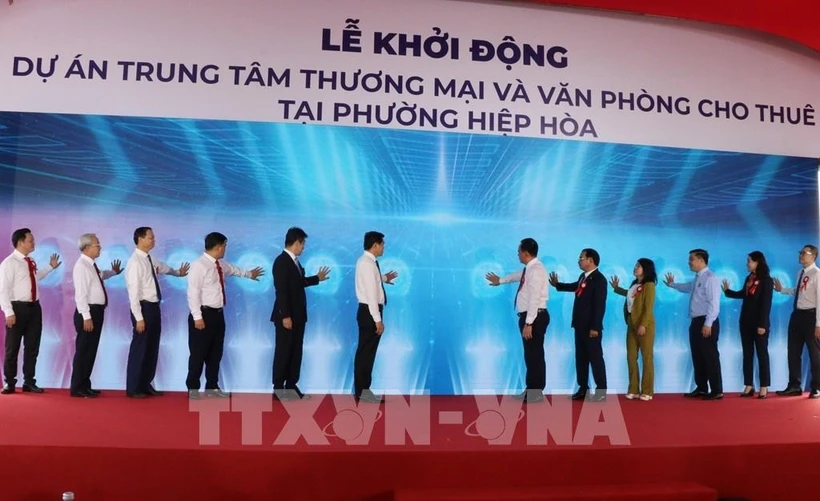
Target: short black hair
140	233
592	254
372	238
213	239
701	254
812	248
19	235
294	235
530	246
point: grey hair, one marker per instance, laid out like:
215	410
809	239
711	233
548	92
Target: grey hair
86	240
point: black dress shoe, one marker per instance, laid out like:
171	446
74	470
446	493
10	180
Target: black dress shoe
370	399
579	395
83	394
299	394
135	395
695	394
217	393
154	393
285	395
32	388
814	394
598	396
713	396
747	394
789	392
194	394
532	396
762	395
7	390
96	392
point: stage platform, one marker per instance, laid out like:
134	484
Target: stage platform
441	448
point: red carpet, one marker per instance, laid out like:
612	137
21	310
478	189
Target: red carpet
114	448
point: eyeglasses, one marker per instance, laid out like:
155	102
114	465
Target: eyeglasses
804	252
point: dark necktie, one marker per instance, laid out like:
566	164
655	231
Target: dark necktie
381	282
798	287
520	286
102	284
154	274
32	269
221	282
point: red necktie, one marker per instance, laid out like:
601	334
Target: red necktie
102	284
32	268
222	283
520	286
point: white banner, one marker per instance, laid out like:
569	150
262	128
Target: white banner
436	65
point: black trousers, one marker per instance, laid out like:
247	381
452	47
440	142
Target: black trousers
85	352
366	350
705	356
588	351
801	332
287	356
751	341
205	347
144	352
28	329
536	378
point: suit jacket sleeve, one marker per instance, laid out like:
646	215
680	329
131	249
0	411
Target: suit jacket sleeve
567	287
284	301
648	298
734	294
311	280
598	303
619	291
766	293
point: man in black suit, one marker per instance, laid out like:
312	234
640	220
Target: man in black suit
588	321
289	314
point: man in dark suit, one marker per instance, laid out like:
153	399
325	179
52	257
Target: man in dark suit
588	321
289	314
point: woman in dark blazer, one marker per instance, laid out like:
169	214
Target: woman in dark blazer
754	321
639	314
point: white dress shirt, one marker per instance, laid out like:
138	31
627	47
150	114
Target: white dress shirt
204	288
369	288
809	290
534	292
140	281
293	256
16	283
88	288
630	296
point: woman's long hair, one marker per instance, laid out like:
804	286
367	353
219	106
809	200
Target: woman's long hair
762	270
649	273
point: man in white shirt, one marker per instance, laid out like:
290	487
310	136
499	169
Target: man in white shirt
91	299
533	317
206	322
20	301
372	298
144	296
804	324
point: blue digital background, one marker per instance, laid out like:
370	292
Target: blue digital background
452	206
